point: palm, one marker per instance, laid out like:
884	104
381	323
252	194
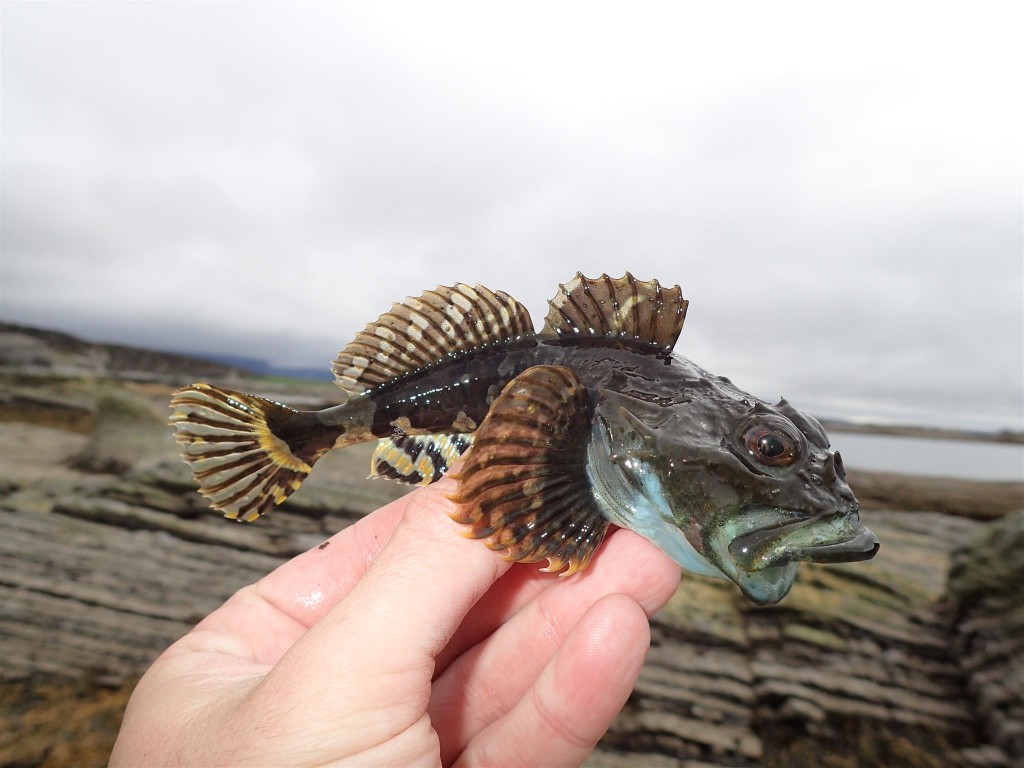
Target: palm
439	650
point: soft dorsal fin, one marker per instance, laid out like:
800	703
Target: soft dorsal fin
421	331
523	486
417	459
623	307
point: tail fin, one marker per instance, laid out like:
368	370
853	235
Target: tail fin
247	453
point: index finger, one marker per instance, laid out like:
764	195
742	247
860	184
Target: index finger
370	659
262	620
417	591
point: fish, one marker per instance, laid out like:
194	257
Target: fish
553	436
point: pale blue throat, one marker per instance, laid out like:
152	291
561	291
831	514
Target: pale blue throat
629	493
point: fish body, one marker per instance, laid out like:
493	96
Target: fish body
591	421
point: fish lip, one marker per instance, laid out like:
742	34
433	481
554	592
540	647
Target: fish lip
863	545
837	536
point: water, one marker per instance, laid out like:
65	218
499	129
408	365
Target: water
968	459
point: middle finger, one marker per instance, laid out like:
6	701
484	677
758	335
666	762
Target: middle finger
486	680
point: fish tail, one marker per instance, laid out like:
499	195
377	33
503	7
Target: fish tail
247	453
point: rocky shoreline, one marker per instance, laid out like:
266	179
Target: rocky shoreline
108	555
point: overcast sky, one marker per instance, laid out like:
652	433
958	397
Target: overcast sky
837	187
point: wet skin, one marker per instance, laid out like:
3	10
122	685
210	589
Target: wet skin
727	484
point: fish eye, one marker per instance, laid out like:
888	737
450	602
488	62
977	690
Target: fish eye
771	444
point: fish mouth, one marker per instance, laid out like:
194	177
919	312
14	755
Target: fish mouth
831	537
764	560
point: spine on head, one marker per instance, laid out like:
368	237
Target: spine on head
247	453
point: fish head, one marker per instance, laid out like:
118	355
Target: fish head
744	490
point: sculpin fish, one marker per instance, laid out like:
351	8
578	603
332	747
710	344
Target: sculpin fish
588	423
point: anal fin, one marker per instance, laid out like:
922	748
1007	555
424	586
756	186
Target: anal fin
523	486
417	459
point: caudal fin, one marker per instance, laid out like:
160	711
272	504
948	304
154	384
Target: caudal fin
247	453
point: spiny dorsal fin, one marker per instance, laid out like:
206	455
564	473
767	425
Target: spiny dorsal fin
523	485
623	307
418	332
417	459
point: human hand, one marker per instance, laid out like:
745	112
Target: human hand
400	642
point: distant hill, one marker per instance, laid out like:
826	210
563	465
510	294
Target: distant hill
37	350
262	367
934	433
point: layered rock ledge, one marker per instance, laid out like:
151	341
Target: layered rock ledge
108	555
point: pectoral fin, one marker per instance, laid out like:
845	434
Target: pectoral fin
523	485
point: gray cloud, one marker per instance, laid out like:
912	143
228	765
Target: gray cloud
840	198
